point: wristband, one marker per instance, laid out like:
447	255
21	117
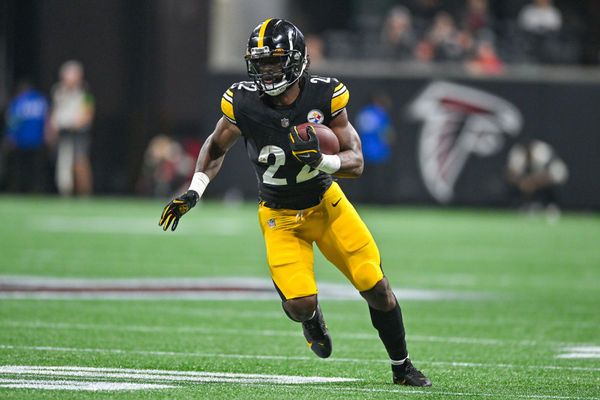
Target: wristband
199	183
330	164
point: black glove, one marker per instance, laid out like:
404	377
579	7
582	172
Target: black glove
176	208
306	151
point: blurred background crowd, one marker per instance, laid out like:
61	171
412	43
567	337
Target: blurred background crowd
155	69
483	34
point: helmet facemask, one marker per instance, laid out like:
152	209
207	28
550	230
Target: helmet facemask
274	71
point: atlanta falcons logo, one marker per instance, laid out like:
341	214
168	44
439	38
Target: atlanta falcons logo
457	121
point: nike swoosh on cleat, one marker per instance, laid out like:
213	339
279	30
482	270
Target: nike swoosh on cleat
304	155
336	203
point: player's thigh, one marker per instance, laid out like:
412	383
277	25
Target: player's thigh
289	256
349	245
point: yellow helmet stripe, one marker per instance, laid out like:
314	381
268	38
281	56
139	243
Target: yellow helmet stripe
261	33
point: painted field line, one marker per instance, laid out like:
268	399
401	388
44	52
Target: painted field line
283	333
216	288
165	375
578	355
432	392
155	379
126	225
290	358
93	386
580	352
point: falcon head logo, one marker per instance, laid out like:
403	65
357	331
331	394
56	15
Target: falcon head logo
458	121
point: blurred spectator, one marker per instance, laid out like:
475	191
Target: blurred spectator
24	142
375	127
424	11
540	24
397	35
443	42
477	19
485	61
166	167
540	17
71	119
534	171
541	33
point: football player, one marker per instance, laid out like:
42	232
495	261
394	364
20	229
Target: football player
300	204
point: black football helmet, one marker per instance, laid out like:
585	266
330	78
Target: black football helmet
276	55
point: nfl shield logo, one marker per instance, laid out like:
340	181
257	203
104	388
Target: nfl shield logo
271	223
285	122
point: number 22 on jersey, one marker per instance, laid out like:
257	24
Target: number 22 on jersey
269	175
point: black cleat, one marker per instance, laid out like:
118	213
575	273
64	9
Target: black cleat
407	374
317	335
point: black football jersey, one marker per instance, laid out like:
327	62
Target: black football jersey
283	181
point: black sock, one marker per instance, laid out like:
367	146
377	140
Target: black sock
391	331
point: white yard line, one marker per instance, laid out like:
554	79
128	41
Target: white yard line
584	349
578	355
271	332
194	288
293	358
164	379
165	375
128	226
93	386
580	352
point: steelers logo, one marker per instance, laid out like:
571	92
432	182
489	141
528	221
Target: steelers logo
315	116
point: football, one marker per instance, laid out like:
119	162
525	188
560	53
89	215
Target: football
328	142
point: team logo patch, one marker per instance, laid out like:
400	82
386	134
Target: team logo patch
271	223
315	116
459	121
285	122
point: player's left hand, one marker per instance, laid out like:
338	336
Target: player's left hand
306	151
176	208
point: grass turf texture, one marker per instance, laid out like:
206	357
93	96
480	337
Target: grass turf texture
542	280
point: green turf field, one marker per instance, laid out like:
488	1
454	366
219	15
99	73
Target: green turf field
509	307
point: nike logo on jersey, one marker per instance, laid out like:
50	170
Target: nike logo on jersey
336	203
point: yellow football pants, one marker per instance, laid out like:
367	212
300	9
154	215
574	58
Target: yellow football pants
338	231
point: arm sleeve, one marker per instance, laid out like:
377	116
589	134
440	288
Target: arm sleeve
227	106
339	99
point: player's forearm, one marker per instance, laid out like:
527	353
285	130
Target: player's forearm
207	166
210	158
212	154
352	164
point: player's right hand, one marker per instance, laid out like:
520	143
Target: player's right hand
176	208
306	151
